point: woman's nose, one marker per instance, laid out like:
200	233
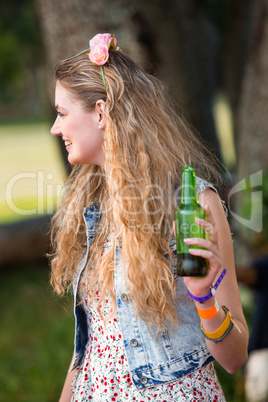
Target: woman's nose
55	129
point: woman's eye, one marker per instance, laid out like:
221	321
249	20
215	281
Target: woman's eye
59	114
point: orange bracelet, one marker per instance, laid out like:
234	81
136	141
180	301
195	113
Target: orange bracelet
208	312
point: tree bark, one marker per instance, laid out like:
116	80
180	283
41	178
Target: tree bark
253	108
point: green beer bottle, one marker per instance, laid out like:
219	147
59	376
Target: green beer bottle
185	214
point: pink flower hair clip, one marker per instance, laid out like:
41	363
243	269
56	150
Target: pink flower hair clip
99	47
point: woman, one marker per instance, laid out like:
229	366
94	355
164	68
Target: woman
138	333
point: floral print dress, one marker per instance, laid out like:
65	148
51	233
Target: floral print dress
104	375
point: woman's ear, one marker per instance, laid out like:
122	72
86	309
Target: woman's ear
100	109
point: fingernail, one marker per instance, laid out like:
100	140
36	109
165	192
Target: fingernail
193	250
187	240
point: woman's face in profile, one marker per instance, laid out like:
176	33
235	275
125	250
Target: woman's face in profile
81	131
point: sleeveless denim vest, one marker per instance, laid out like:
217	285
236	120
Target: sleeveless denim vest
152	359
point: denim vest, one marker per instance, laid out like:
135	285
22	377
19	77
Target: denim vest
152	359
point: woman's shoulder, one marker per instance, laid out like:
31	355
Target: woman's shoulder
202	185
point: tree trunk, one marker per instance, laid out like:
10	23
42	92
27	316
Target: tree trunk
253	108
25	242
236	45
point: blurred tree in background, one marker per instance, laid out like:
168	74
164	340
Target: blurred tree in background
202	49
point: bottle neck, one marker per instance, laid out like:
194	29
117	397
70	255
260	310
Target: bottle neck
188	188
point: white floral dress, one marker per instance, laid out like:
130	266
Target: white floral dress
104	375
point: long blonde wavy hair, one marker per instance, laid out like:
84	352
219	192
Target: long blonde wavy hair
145	146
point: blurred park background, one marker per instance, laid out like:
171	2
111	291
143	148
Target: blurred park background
212	55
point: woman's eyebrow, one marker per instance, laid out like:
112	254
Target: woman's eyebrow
60	107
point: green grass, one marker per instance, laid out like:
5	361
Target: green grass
32	171
28	206
232	385
36	337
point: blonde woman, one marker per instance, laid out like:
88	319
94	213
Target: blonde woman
138	334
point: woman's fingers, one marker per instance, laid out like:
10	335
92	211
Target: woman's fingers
204	243
209	250
214	259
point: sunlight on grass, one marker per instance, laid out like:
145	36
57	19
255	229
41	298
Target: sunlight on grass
223	121
31	171
24	207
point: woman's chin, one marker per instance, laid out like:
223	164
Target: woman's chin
73	161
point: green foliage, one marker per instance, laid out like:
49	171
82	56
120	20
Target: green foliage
9	66
21	53
232	385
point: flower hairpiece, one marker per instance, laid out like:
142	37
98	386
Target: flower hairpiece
99	47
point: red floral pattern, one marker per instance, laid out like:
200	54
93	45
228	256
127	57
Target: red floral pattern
104	375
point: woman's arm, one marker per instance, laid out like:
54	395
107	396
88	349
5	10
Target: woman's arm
231	352
66	394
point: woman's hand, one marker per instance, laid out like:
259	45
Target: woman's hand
231	353
200	286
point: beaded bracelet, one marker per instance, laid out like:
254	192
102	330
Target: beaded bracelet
212	289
